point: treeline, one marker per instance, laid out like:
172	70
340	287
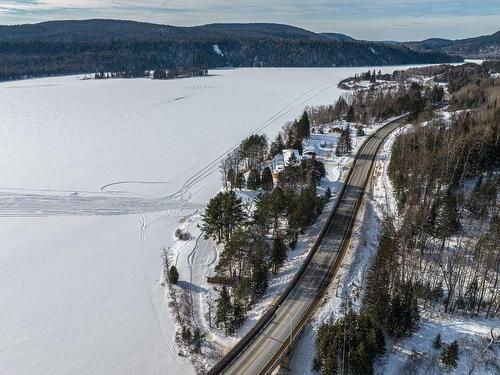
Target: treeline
32	58
137	73
158	73
179	73
256	243
366	106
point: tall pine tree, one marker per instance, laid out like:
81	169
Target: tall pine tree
303	127
253	180
260	274
224	310
267	179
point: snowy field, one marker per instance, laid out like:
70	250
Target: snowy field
95	178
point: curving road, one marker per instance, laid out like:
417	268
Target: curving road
260	350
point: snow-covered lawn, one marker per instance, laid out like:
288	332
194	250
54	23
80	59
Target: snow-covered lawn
92	176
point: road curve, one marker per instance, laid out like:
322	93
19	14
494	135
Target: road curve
260	350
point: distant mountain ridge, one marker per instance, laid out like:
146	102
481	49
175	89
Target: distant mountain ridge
81	30
486	46
71	47
338	37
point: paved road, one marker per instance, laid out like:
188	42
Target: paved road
259	352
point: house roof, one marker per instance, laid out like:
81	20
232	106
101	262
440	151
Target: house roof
310	149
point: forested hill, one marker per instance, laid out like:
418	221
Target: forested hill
67	47
486	46
105	30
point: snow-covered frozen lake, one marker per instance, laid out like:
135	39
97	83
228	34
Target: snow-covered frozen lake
94	177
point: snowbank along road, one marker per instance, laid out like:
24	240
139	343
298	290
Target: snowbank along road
260	350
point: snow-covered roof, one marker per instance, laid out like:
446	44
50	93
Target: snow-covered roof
309	150
278	159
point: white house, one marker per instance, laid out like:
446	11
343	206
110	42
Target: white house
278	163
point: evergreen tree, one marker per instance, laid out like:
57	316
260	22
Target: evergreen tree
279	252
276	146
224	310
349	345
303	127
344	145
290	176
360	361
348	140
293	138
328	194
437	94
253	150
240	181
447	216
186	335
267	179
311	171
231	178
378	278
350	117
306	209
223	213
474	200
260	274
262	216
449	356
238	315
253	181
340	108
437	342
471	295
403	314
213	218
159	74
173	275
197	340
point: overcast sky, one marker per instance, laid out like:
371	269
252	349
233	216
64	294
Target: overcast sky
363	19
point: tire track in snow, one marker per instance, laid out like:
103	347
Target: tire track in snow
13	204
44	203
212	167
105	187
